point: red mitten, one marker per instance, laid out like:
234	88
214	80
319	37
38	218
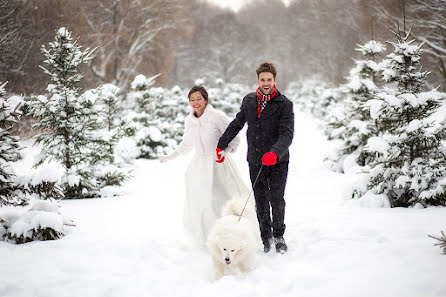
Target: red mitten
270	158
220	155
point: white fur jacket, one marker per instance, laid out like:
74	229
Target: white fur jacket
203	133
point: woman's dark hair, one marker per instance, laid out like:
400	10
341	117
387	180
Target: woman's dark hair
200	89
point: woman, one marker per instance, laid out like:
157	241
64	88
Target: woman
208	184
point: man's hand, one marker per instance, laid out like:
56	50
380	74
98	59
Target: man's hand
270	158
220	155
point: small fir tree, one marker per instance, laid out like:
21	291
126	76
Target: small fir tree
411	168
158	117
112	129
69	122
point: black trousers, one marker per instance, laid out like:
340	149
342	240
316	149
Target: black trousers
268	193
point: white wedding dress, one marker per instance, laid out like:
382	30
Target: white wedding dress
209	185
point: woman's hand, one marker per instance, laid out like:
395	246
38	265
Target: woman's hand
163	159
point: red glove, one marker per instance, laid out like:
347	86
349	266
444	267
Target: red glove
270	158
220	155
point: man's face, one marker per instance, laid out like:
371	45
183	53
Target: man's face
266	82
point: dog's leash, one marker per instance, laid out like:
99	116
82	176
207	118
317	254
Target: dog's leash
252	189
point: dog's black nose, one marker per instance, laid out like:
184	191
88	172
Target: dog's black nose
227	259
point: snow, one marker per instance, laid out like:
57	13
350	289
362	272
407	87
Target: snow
372	47
361	126
377	144
411	99
47	172
414	125
154	134
355	82
133	245
36	219
141	81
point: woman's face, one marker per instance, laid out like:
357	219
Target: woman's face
197	102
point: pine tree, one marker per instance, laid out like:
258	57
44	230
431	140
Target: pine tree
357	124
16	190
68	120
441	241
412	165
11	193
112	129
158	118
227	96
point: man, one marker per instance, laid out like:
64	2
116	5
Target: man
270	119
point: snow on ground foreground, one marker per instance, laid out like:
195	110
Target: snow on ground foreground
133	245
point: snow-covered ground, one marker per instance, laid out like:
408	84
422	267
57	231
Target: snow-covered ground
133	245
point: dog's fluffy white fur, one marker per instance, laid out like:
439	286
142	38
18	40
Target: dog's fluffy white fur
233	243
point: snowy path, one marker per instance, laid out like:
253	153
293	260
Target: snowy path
132	245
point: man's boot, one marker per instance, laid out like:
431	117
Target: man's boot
267	244
281	246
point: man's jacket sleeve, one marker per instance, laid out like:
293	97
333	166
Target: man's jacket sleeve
234	127
286	131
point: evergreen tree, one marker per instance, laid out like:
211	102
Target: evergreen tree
17	190
356	127
11	193
112	129
68	120
411	167
157	115
227	96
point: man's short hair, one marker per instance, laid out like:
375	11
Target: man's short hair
266	67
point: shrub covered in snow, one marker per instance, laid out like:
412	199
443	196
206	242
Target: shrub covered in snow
43	221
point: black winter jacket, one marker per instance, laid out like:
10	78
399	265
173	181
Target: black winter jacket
273	131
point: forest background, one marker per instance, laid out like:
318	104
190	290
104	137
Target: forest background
189	39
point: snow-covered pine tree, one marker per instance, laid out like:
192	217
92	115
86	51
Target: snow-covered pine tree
412	165
20	190
68	120
227	97
112	129
356	127
42	221
11	193
158	116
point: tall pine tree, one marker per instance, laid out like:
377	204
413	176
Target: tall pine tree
361	87
412	165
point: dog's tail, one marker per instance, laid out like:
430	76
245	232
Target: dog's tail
235	207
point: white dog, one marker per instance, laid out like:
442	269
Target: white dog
232	242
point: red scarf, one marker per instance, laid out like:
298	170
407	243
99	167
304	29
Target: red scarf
262	99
